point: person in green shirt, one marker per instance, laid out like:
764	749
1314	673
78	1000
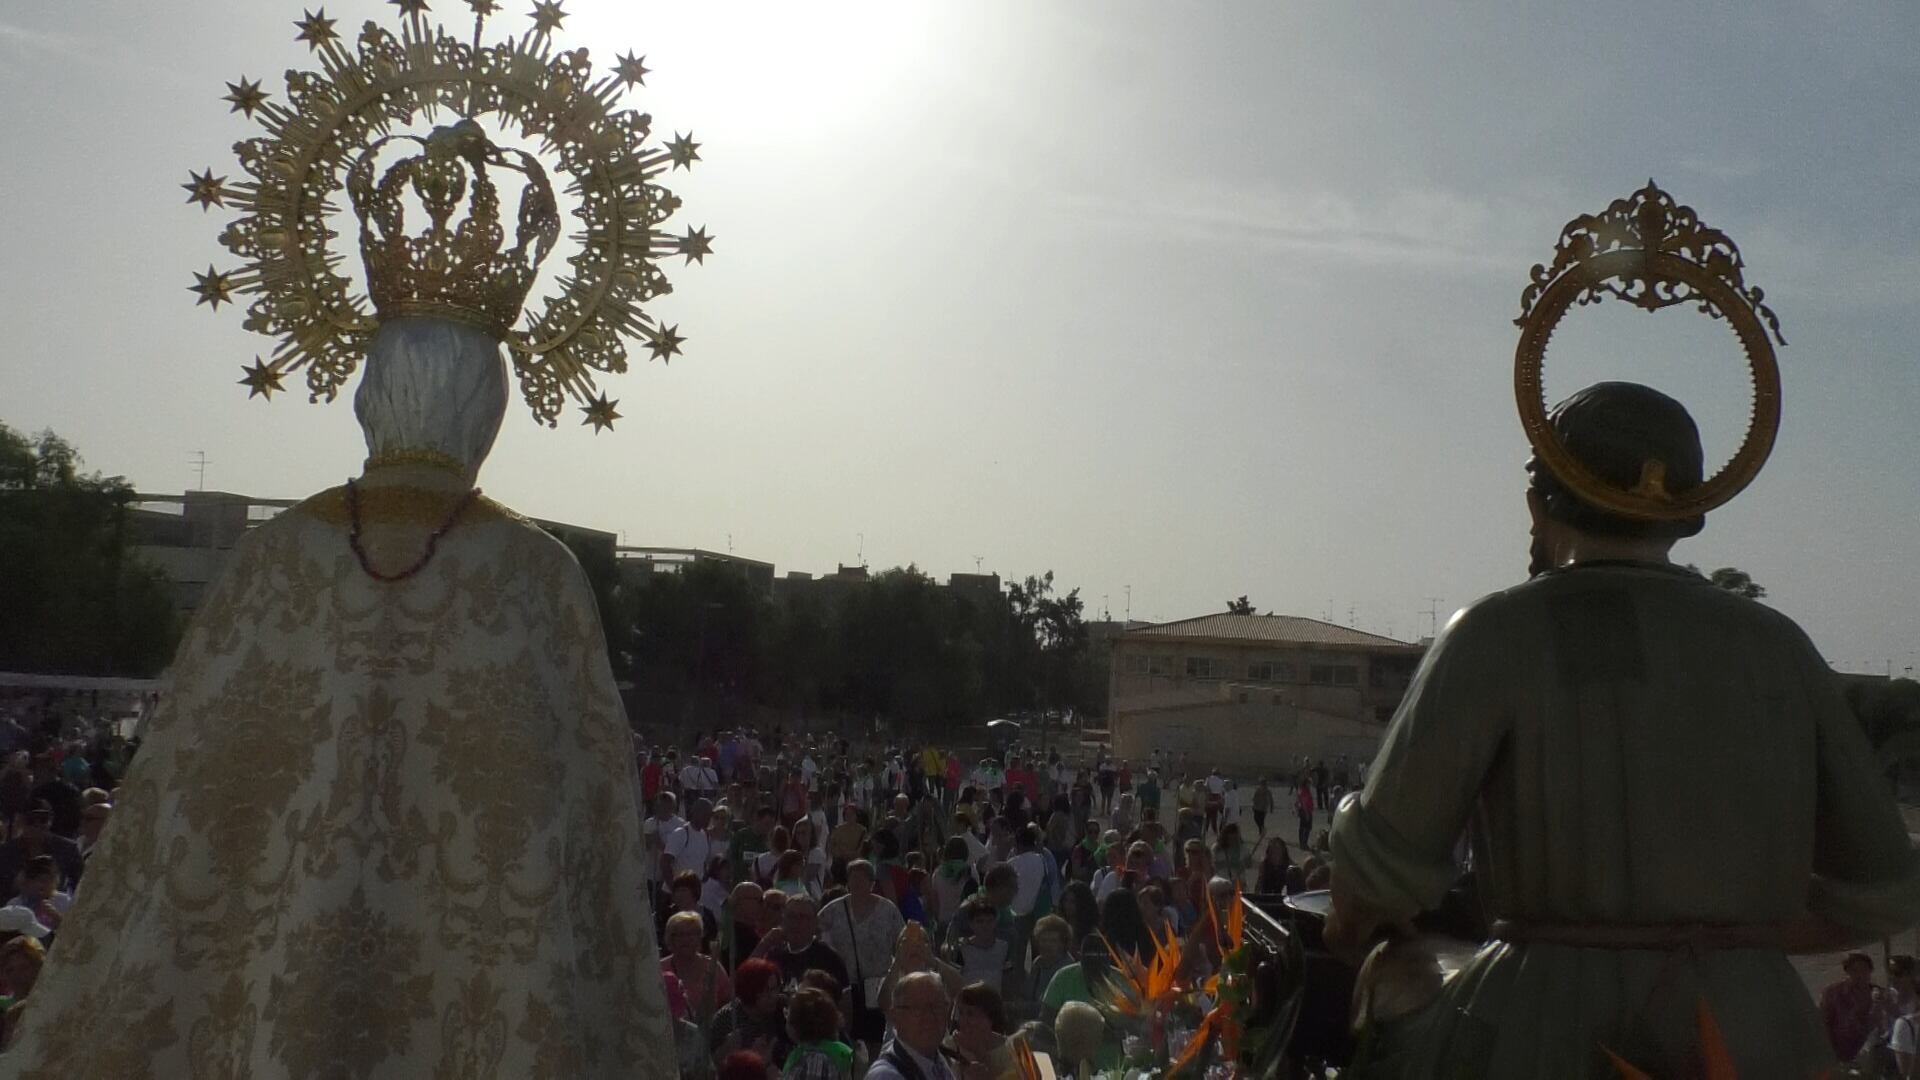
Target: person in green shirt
813	1022
1077	982
750	840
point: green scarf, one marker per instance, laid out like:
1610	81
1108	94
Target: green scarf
839	1052
953	869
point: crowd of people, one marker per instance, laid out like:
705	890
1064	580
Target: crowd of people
1875	1027
58	771
820	904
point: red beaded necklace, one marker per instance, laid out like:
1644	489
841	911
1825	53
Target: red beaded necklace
433	540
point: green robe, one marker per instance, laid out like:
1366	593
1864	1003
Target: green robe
1633	746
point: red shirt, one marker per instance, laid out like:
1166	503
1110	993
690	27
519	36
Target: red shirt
1850	1015
1024	780
650	781
953	774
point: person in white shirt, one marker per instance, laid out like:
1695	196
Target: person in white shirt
692	780
40	891
976	848
654	830
689	846
808	770
1031	866
863	928
1139	862
1904	1038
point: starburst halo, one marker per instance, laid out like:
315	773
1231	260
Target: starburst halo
389	81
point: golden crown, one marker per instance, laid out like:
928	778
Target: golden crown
325	137
457	272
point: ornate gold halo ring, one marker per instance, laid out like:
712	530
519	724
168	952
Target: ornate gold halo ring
1653	254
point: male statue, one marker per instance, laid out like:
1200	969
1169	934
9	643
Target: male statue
1664	789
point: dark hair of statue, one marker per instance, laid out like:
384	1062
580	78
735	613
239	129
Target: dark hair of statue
1615	429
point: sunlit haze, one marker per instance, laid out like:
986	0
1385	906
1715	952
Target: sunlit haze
1181	301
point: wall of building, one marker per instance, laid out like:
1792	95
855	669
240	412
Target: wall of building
1352	682
1242	738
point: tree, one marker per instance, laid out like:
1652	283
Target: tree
76	601
1051	642
1734	580
1240	606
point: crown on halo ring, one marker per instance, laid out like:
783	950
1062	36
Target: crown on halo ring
1652	253
324	138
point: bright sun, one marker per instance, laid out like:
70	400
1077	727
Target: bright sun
766	71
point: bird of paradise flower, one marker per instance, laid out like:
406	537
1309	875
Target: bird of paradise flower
1149	991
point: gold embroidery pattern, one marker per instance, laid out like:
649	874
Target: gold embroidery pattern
232	789
114	1029
473	1032
451	754
220	1046
493	756
350	996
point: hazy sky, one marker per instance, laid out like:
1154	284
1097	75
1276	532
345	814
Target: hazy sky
1202	299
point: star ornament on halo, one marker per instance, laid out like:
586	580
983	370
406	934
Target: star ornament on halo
205	188
631	70
316	29
245	96
696	245
260	380
410	7
665	343
214	287
547	16
683	150
600	413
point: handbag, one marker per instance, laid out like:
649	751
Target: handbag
869	1023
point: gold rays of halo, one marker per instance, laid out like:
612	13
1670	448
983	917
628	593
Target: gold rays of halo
1653	253
388	81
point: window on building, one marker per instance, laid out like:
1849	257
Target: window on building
1391	672
1203	667
1270	671
1334	675
1160	665
1136	665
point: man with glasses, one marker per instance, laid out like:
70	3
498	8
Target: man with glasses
919	1016
795	946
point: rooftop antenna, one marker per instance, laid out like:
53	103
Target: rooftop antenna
1351	609
861	556
1129	615
976	566
1107	616
1433	616
200	465
729	543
